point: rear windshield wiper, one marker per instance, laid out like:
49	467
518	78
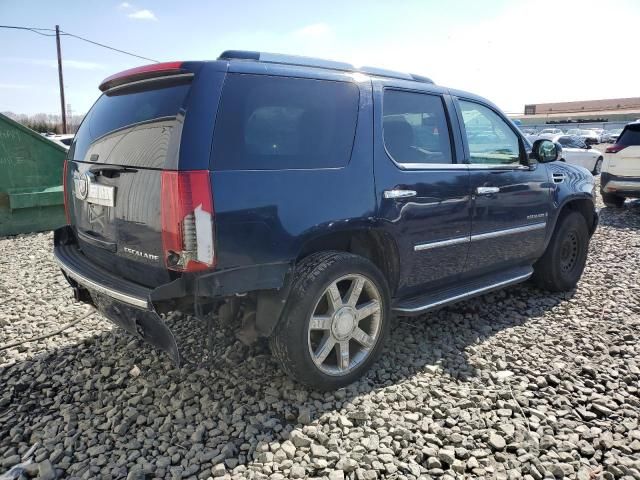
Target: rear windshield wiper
109	170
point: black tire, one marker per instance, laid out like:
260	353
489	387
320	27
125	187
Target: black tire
613	201
562	264
597	168
290	342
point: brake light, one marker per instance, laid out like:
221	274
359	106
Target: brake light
187	220
65	191
615	148
142	73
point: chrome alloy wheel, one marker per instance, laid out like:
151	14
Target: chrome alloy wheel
345	324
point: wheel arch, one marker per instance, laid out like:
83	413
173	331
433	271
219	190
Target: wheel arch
378	247
582	204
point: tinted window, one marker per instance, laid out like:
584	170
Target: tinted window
565	141
630	135
415	128
130	127
490	139
267	122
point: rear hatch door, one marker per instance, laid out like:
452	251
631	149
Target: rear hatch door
626	161
127	139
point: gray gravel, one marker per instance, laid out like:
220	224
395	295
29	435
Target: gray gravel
515	384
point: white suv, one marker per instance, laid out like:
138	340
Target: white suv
621	168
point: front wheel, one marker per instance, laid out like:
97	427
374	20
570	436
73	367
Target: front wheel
335	320
562	264
597	167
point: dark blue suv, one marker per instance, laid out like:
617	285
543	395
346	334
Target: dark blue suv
309	201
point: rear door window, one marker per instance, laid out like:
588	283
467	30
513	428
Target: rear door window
415	128
131	127
271	123
630	135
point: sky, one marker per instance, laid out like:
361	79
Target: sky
511	52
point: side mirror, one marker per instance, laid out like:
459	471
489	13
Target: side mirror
587	146
545	151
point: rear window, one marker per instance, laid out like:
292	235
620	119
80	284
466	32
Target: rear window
630	135
267	123
131	127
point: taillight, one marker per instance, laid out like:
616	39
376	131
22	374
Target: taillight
65	191
615	148
142	73
187	220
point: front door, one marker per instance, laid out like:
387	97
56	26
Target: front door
511	201
423	193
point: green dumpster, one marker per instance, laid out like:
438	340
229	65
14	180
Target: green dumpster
31	196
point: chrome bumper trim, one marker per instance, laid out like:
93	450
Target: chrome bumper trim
627	185
115	294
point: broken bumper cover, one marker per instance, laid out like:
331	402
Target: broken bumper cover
124	303
135	307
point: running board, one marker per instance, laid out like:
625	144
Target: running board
439	298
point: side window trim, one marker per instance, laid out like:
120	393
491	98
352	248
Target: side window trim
465	142
453	144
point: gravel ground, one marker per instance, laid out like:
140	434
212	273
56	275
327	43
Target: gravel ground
515	384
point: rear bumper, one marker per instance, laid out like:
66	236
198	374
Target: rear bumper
136	308
624	186
126	304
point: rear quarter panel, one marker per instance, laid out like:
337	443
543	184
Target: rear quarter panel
266	216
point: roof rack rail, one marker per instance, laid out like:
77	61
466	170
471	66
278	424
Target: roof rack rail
319	63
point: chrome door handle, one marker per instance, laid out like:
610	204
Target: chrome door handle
487	190
399	193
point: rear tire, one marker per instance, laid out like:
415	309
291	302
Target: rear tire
562	264
325	338
613	201
597	168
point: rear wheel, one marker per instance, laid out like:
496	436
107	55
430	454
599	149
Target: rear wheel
611	200
562	264
597	167
335	320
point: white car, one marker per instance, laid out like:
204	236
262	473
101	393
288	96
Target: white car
611	136
621	168
577	152
65	140
588	136
549	133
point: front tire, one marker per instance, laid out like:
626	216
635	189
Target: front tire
562	264
613	201
335	321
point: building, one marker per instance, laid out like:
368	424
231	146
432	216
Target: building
615	110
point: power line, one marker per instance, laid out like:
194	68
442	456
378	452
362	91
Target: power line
40	30
107	46
33	29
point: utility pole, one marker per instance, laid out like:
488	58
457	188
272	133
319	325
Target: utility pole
62	104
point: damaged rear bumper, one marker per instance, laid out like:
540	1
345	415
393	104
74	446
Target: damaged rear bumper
137	308
124	303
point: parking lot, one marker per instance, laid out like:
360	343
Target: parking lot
515	384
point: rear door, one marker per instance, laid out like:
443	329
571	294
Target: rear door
422	190
511	201
129	136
